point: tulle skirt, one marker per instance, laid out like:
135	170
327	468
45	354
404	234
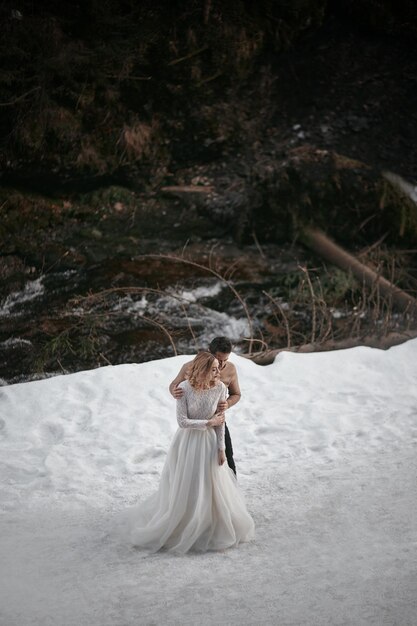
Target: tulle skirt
198	505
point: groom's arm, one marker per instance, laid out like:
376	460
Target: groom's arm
234	392
182	375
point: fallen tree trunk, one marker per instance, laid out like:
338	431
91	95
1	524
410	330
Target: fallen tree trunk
371	341
317	241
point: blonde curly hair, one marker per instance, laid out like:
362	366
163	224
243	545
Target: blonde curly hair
200	371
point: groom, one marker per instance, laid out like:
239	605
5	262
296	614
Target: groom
221	348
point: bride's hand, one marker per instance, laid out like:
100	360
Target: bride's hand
216	420
222	457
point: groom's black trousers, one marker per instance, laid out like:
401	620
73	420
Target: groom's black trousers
229	449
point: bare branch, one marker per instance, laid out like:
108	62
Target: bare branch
19	98
188	56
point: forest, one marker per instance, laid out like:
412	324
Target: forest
173	170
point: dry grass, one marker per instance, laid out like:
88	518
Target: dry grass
328	305
137	141
323	308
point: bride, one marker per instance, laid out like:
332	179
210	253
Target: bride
198	505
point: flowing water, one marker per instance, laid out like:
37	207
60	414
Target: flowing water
137	309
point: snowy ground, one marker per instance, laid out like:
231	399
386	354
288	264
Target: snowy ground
325	446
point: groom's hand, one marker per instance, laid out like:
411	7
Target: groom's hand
222	406
177	392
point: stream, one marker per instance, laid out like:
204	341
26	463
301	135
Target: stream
135	309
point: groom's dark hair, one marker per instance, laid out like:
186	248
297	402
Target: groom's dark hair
220	344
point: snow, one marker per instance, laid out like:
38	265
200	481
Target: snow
325	446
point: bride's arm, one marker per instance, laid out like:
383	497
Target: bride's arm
220	436
220	429
183	419
185	422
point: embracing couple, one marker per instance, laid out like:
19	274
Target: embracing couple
220	348
198	504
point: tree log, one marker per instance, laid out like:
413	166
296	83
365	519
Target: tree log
407	188
372	341
317	241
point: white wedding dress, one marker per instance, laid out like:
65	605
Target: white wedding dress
198	505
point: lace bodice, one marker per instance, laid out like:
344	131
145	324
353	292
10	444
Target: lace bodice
195	408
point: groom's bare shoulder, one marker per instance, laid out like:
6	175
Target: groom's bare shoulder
229	374
180	377
185	370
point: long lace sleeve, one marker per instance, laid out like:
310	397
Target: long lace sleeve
220	429
182	416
